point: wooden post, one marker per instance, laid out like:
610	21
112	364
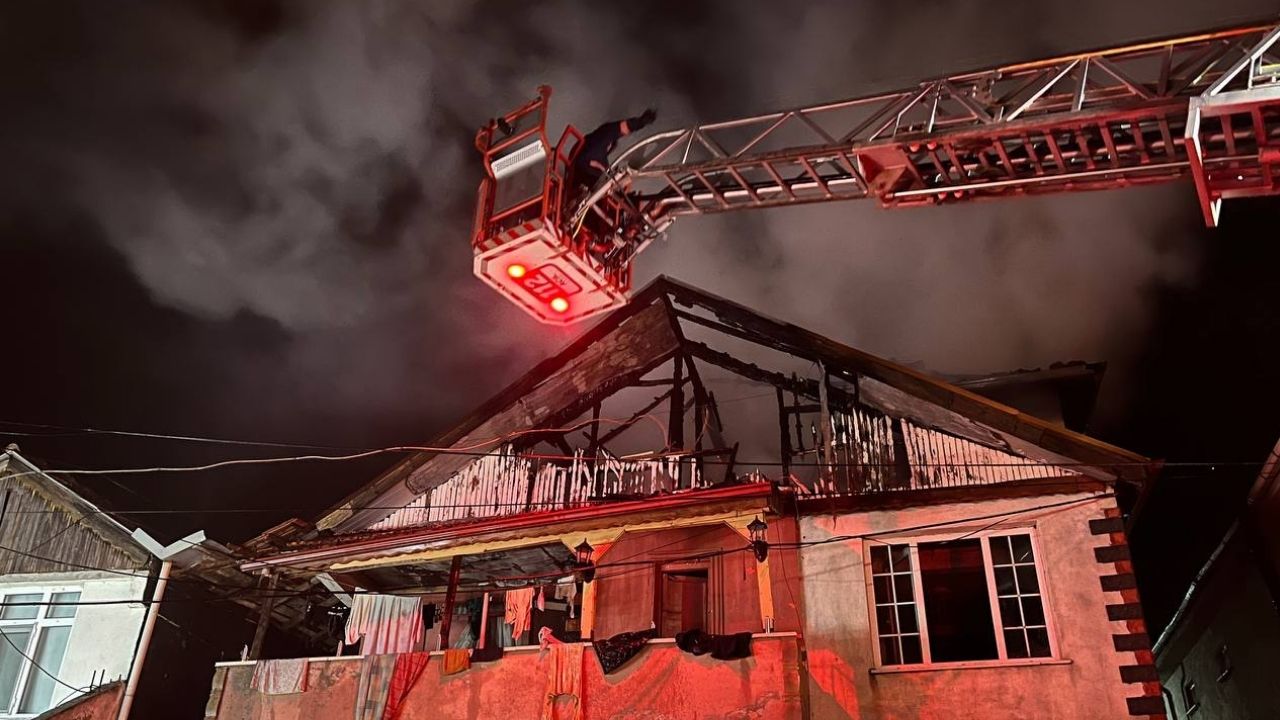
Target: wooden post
588	622
264	615
484	621
449	597
824	415
675	424
593	447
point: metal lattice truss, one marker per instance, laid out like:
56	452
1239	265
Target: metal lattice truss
1206	105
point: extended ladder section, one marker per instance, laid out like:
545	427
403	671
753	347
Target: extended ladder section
1205	106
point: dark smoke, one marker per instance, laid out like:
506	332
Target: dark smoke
307	165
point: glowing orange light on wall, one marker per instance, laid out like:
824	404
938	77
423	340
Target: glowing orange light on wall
516	271
559	304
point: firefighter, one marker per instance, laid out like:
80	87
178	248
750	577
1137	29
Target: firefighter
592	160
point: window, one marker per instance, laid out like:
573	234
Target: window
1189	699
34	632
970	599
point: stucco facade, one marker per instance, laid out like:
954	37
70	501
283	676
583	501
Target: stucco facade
1082	677
103	637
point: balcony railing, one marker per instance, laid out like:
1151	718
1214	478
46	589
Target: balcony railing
509	482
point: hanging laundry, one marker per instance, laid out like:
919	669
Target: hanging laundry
280	677
546	639
373	686
388	623
615	651
408	669
564	680
541	603
519	609
567	590
456	660
721	647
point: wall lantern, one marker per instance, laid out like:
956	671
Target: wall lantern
582	561
759	545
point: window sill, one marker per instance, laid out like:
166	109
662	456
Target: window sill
970	665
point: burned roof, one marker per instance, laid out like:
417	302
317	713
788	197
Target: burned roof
636	339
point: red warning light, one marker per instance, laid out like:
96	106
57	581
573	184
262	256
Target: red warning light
516	271
559	304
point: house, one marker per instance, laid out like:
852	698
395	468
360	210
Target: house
1217	656
701	511
75	587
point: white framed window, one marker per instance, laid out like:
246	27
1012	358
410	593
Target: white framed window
30	635
938	601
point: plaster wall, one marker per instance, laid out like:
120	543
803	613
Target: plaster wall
1082	681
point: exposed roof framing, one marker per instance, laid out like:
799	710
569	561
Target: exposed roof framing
630	343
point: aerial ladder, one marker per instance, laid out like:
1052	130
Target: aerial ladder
1204	106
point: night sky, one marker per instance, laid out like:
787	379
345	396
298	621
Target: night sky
249	220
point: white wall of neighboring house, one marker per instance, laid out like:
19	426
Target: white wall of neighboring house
1079	680
103	637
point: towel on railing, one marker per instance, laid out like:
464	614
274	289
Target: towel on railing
614	652
280	677
721	647
388	623
455	661
564	679
408	669
372	689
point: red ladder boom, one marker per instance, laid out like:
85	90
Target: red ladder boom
1205	106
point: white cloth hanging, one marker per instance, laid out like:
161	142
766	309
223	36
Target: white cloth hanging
388	623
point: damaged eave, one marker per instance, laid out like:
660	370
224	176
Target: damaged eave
528	527
620	349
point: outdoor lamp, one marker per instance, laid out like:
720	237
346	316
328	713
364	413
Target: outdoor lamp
582	558
759	545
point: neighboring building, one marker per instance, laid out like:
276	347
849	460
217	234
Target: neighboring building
896	546
1218	655
50	538
75	584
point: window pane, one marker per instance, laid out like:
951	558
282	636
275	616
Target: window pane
886	620
63	611
1022	548
957	608
901	557
1009	613
879	559
883	588
49	651
1000	551
21	612
1032	610
911	650
1004	581
902	588
1038	640
889	651
907	618
1015	643
11	661
1028	583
